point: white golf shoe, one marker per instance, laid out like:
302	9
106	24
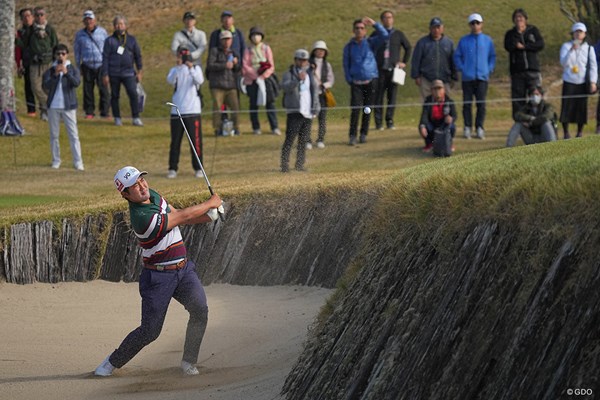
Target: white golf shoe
105	368
189	369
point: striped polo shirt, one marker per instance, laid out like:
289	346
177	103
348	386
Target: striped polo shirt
149	222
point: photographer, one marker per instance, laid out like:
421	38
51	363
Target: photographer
439	114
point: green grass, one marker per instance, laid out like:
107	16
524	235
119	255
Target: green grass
247	166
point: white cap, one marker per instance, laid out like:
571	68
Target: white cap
301	54
578	26
475	17
320	44
88	14
127	177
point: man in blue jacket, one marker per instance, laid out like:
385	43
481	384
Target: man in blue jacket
475	58
360	71
121	52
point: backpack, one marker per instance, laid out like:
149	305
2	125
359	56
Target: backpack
442	142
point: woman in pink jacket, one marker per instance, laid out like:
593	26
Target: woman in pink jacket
258	66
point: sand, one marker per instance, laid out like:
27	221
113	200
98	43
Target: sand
53	336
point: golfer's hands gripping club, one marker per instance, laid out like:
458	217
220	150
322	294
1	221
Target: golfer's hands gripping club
216	211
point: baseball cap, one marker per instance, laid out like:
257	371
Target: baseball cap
435	21
225	35
188	15
301	54
127	177
226	14
578	26
88	14
475	17
437	84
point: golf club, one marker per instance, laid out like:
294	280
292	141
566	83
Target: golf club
220	209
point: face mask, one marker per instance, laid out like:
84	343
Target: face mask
536	99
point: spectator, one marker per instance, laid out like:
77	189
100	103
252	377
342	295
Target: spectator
360	70
224	66
23	58
523	42
475	58
439	113
88	46
323	74
121	52
227	24
40	44
433	59
185	78
257	67
534	122
388	57
60	82
301	101
191	38
576	57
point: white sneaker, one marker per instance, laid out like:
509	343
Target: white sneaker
118	122
308	146
257	132
79	167
320	145
277	132
467	132
199	174
189	369
172	174
480	133
137	122
56	164
105	368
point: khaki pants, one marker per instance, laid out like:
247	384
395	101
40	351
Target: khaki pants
36	73
229	97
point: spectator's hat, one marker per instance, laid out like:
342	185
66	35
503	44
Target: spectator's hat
320	44
88	14
226	14
301	54
437	84
127	177
225	35
435	21
578	26
475	17
256	30
189	15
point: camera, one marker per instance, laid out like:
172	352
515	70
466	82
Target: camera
185	58
59	61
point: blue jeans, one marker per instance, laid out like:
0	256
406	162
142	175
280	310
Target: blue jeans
157	288
130	84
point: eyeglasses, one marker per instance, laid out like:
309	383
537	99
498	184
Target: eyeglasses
474	23
61	53
359	27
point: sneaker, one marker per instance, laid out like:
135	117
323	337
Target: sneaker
285	169
391	127
89	116
277	132
118	122
189	369
320	145
480	133
257	132
44	116
31	114
453	149
171	174
308	146
301	169
363	138
467	132
236	132
79	167
137	122
105	368
378	128
427	148
352	140
199	174
56	164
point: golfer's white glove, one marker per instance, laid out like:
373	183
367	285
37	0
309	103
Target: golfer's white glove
213	214
221	210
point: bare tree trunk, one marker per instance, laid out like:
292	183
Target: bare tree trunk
7	50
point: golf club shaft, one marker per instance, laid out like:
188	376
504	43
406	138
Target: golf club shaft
210	189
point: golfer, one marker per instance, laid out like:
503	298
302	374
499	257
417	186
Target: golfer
167	272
